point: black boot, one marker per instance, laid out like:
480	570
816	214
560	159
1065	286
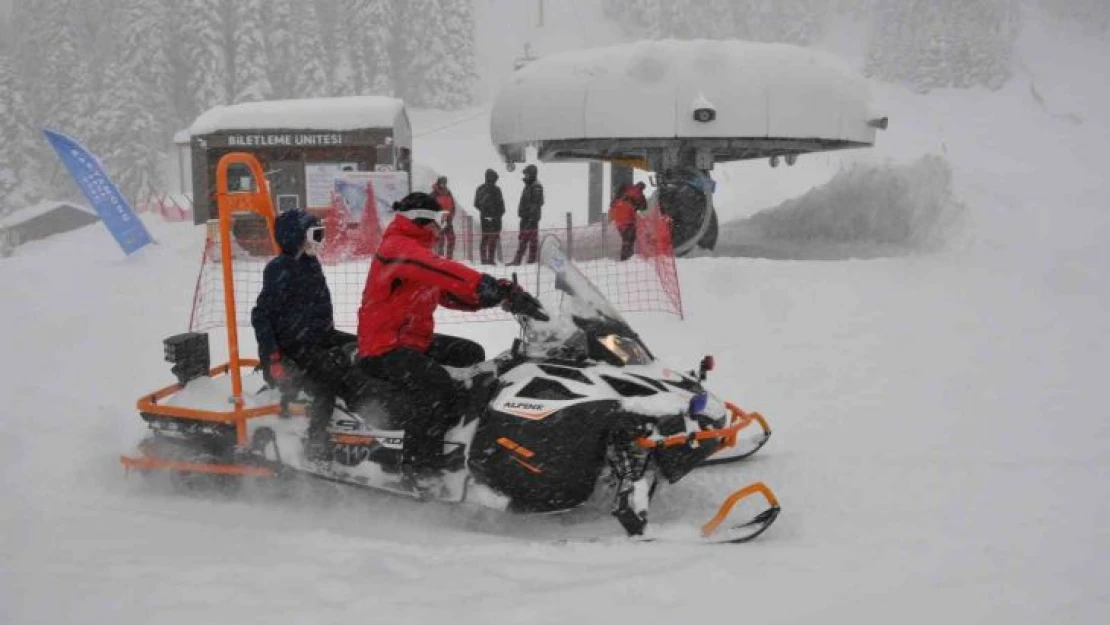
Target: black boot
317	447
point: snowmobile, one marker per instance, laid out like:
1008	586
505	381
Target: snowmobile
577	401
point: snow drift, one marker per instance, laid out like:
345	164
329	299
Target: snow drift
868	210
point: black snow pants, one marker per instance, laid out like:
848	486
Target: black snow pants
437	400
328	373
628	241
491	239
529	241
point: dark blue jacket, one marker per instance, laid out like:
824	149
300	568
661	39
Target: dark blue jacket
294	308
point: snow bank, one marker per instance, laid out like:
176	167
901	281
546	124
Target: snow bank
868	210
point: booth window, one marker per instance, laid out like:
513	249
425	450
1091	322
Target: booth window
240	179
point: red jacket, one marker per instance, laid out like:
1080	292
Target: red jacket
407	281
446	201
622	211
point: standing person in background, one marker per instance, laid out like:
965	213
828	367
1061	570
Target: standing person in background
446	201
491	206
622	212
529	210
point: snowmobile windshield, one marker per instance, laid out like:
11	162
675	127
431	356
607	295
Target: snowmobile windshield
584	324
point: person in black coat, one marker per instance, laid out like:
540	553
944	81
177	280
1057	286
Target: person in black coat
529	210
293	322
491	207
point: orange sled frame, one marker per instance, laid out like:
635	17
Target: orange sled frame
228	204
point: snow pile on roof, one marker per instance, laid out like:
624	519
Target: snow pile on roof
348	113
26	214
651	89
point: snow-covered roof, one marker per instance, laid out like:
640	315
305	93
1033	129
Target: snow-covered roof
348	113
651	89
37	210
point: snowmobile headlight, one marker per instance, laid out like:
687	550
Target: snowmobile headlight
629	351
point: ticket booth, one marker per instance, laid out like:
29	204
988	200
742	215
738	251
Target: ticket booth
302	146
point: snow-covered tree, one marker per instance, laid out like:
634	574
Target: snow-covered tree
130	142
297	67
460	72
132	118
248	67
203	54
373	22
18	179
142	52
430	69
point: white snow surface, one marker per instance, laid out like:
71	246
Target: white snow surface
651	89
941	445
345	113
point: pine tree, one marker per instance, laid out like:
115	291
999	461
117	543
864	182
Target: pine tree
250	80
458	67
277	23
18	179
295	59
130	143
142	52
204	54
63	65
309	57
374	21
330	13
409	53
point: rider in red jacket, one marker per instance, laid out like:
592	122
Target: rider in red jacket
396	327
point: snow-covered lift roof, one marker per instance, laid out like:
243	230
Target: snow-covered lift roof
337	114
624	101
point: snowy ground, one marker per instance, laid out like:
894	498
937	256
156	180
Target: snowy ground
941	444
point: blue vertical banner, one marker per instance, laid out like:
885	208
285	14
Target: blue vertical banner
102	193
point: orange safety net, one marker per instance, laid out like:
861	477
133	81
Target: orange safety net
647	282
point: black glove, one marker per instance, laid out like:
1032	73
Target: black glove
511	296
492	291
521	302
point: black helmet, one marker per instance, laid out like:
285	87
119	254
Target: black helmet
417	206
291	228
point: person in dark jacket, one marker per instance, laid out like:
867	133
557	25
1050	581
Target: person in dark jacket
529	210
491	207
396	327
293	322
446	201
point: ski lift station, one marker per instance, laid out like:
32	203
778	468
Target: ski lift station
679	107
301	144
